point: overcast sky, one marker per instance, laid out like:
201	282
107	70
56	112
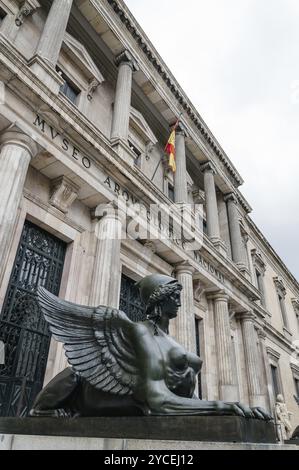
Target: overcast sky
238	61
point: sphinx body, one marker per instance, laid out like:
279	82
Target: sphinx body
123	368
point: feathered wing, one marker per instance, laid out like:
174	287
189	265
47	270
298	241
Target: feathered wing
95	340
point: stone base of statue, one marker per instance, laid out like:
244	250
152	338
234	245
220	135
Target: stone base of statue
230	429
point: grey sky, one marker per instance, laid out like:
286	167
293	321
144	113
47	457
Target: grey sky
238	61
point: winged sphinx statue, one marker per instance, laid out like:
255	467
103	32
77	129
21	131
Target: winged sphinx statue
123	368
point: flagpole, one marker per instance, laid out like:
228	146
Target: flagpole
161	159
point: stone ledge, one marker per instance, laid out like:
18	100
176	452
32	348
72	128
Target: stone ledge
172	428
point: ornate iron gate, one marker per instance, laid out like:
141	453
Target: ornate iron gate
130	301
23	330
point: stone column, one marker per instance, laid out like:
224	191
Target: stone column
228	390
185	321
235	231
16	151
180	177
105	289
252	359
53	33
49	46
122	103
213	226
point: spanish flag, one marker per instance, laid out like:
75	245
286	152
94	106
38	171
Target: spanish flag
170	149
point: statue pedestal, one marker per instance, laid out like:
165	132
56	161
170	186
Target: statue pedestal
229	429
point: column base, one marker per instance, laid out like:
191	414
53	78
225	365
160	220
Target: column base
123	150
220	245
46	73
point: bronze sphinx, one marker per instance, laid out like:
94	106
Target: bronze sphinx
122	368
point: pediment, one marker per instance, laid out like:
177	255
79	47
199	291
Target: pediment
142	127
78	53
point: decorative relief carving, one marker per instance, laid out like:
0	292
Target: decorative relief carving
64	193
27	8
280	287
258	261
295	303
93	85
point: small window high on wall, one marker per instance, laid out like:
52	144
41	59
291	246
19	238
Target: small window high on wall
69	89
275	380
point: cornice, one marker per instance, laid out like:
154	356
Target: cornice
279	338
147	48
269	251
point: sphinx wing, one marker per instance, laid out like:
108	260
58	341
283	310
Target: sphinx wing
96	342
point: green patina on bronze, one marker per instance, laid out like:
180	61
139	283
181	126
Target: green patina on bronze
122	368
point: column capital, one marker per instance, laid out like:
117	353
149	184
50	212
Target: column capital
184	268
231	197
181	130
246	316
208	167
14	136
126	57
221	296
110	210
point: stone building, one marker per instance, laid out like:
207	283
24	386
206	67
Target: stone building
86	109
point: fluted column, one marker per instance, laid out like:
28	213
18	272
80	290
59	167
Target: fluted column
180	177
105	289
122	103
16	151
228	389
213	226
252	360
235	232
53	33
211	202
185	321
44	61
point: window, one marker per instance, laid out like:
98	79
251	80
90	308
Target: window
281	294
137	153
275	380
260	270
171	192
260	286
68	89
296	381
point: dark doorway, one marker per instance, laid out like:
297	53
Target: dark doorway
23	330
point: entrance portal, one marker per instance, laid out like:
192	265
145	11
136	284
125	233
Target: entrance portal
23	330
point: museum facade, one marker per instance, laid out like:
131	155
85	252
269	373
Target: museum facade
87	105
